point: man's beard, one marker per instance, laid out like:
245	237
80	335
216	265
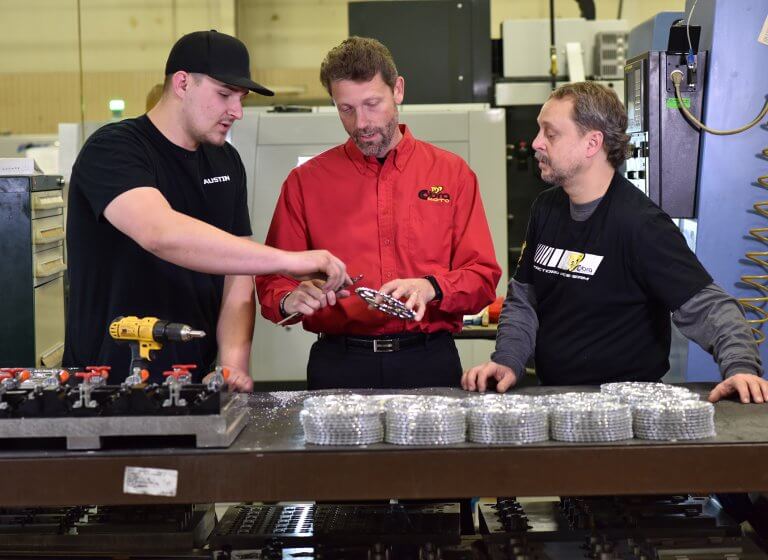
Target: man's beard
376	148
555	175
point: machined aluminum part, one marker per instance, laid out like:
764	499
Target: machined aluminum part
674	419
510	421
425	420
388	305
575	397
338	422
635	392
595	421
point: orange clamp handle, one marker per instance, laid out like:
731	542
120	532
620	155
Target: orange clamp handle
19	373
102	371
63	376
12	370
88	375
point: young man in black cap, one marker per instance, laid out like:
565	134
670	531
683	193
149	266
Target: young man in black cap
158	222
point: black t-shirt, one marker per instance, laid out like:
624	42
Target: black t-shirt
605	287
111	275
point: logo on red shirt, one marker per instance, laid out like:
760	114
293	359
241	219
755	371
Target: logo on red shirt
435	194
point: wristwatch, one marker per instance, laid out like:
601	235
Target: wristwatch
436	287
283	312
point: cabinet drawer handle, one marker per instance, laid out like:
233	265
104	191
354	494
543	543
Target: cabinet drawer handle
48	268
53	356
47	202
49	235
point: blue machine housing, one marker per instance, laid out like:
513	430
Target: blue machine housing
736	88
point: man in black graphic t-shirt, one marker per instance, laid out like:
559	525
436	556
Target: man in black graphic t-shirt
158	222
603	268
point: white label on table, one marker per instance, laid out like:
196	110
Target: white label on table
152	482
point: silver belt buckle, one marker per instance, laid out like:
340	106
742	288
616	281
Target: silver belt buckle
386	345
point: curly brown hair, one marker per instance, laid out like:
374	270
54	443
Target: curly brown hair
596	107
358	59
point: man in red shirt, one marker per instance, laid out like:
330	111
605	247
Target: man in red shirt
404	214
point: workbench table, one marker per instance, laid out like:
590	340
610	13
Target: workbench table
269	461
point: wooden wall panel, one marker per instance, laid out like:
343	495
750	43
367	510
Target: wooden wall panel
37	102
34	103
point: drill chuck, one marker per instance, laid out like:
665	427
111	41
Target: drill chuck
174	332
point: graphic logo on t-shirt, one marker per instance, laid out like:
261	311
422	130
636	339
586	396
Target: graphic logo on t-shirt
571	264
435	194
219	179
574	260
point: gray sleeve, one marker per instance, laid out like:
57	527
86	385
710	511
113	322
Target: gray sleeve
518	323
714	320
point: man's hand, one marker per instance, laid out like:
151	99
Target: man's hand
238	380
306	265
419	292
476	379
309	296
748	386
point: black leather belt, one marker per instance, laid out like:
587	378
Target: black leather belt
383	343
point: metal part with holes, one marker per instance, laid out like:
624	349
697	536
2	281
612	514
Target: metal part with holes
388	305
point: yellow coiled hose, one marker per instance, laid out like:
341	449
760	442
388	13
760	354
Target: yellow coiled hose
755	306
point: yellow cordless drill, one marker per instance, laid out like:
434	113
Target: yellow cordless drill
146	335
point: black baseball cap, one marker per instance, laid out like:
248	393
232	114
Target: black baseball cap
218	55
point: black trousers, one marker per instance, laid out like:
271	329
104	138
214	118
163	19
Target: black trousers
335	363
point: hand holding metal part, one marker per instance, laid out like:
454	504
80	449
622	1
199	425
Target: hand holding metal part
385	303
413	293
311	293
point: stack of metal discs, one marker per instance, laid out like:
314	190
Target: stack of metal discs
425	420
590	420
556	399
399	401
490	399
325	401
508	421
331	421
635	392
674	419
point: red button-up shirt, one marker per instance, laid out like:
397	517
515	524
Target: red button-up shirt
418	214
